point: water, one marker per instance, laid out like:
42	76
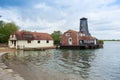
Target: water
97	64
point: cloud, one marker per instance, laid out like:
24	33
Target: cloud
103	16
42	6
37	24
9	14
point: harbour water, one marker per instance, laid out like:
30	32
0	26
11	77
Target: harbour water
90	64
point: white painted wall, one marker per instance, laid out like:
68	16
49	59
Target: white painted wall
10	44
34	44
95	42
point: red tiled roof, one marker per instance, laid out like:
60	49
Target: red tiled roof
86	38
72	31
25	35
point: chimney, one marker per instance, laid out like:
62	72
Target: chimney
84	26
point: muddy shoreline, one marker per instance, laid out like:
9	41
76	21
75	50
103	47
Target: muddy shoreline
29	73
35	73
6	49
6	73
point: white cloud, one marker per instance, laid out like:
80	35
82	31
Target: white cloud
37	24
42	6
42	25
103	16
9	14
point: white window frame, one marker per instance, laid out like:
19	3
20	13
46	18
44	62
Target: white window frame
67	34
82	34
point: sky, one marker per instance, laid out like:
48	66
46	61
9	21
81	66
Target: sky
51	15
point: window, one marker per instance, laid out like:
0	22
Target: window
82	34
70	39
80	42
28	41
12	36
47	41
38	41
28	36
67	34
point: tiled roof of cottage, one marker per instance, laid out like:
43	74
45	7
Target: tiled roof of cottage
25	35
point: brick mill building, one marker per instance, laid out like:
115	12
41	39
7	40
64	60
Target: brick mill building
75	39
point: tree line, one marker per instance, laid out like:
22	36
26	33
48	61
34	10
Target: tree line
6	29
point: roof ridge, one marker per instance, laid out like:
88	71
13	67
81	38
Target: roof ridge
72	30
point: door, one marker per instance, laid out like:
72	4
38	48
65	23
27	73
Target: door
14	42
70	41
81	42
95	42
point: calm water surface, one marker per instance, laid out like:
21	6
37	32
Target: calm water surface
97	64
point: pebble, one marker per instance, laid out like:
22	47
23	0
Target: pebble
9	70
2	65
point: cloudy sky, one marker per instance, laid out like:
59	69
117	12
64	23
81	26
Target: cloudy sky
49	15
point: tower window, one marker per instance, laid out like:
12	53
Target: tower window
81	34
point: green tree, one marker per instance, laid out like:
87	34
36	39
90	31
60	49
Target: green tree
56	35
6	29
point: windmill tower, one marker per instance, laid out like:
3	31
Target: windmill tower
84	26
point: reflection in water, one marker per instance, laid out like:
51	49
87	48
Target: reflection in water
77	61
98	64
26	57
66	61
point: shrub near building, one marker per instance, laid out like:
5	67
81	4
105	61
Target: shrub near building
56	35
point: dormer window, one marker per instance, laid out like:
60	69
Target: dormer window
67	34
12	36
28	36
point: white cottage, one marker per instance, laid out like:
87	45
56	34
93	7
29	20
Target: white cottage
25	39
